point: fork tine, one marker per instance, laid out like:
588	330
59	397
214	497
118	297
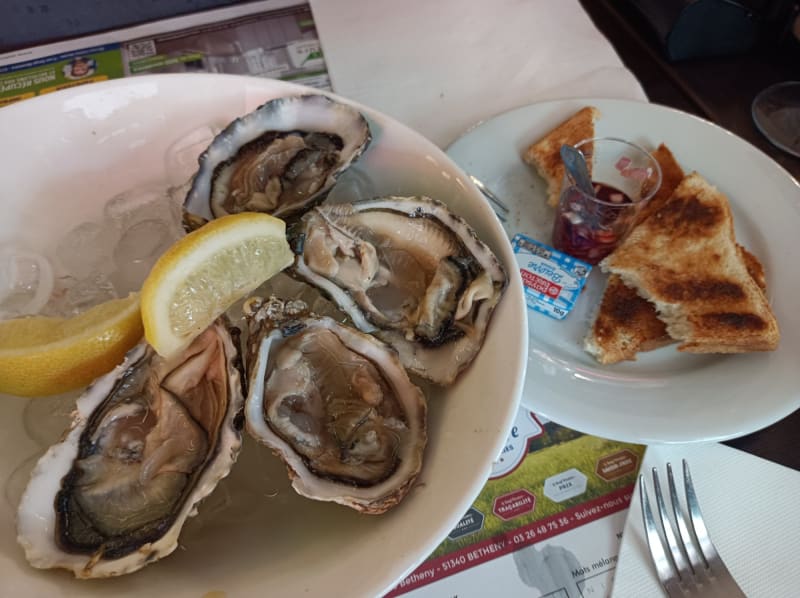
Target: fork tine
696	576
499	207
687	544
700	533
687	564
664	567
699	530
676	556
716	569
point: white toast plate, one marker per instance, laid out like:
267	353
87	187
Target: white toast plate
664	396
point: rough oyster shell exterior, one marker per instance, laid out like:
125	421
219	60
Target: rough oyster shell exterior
274	322
38	518
350	251
272	123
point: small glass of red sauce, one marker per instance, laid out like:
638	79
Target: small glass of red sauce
624	177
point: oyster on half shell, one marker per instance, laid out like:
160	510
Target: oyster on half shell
148	442
335	404
409	271
281	159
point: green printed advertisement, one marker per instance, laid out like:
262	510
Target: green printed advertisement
547	481
160	61
549	469
44	75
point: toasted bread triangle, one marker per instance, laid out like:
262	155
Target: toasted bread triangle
545	154
671	176
625	323
685	260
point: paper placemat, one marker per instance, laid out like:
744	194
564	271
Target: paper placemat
750	507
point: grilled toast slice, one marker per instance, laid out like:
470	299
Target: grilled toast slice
624	325
627	324
755	269
671	176
545	154
685	260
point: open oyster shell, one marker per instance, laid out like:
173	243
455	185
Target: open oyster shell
148	442
335	404
281	159
409	271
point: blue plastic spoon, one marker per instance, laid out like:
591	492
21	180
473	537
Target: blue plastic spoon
575	164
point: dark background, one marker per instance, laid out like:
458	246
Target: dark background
719	88
26	23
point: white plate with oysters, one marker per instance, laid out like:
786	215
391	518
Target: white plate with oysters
65	156
665	395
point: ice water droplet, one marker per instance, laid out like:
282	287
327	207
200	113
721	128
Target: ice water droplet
137	251
181	157
26	282
45	419
353	185
148	219
86	249
72	296
148	202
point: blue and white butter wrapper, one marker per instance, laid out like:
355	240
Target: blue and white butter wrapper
552	280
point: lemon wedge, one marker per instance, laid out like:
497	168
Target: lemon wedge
44	356
205	272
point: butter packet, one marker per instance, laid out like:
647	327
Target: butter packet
552	280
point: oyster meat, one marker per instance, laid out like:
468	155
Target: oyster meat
335	404
409	271
148	442
280	159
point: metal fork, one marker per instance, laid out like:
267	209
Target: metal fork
498	206
686	561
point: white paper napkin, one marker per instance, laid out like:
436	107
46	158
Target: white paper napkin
442	66
752	512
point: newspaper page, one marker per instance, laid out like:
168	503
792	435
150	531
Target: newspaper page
281	43
39	76
548	522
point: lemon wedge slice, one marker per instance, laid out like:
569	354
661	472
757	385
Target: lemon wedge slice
44	356
205	272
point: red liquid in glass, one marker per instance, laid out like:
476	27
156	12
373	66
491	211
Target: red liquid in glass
589	230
